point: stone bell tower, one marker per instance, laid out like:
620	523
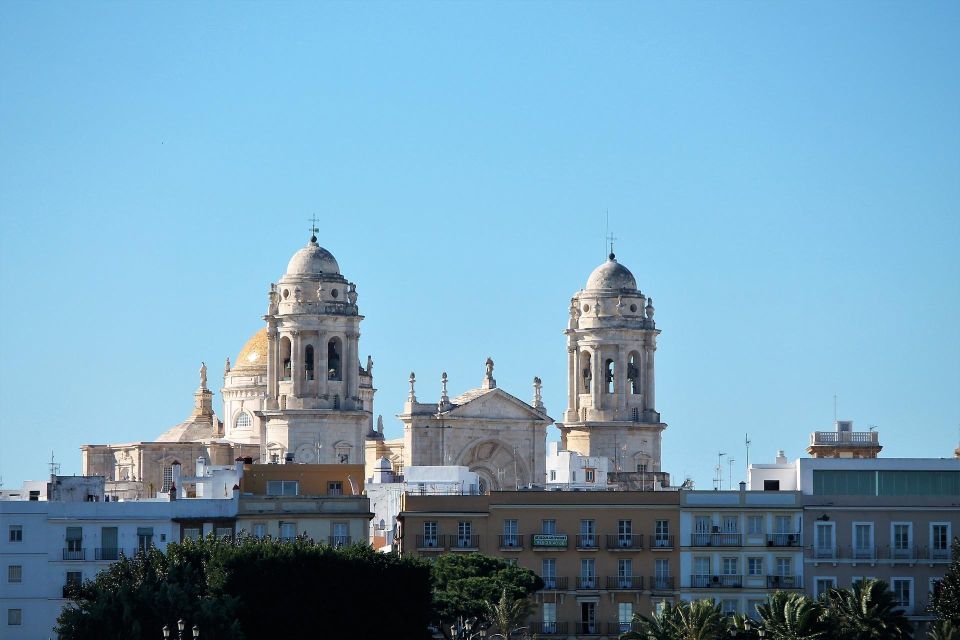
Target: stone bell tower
319	399
611	341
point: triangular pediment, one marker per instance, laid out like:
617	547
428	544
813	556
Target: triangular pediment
495	404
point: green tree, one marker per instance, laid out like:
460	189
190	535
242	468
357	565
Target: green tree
697	620
246	588
943	630
868	611
792	616
507	614
660	626
945	600
464	584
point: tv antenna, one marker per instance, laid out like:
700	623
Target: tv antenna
54	466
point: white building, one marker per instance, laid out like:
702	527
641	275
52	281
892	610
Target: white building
49	544
571	471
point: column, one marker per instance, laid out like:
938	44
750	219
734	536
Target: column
649	400
349	368
273	374
598	379
296	362
573	367
321	365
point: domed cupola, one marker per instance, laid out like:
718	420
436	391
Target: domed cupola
611	276
312	260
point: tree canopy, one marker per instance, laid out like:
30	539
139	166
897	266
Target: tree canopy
253	588
945	601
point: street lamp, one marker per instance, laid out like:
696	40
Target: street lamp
166	631
196	631
180	625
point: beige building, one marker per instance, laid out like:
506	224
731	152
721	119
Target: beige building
603	555
611	402
844	442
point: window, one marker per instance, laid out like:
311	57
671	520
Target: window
167	479
730	566
823	540
662	533
661	568
259	530
625	573
641	467
771	485
730	524
902	537
144	538
465	534
191	533
903	591
16	533
755	525
74	579
74	539
288	531
701	571
549	617
940	541
308	361
729	607
15	573
224	533
588	533
783	524
510	536
548	571
341	534
333	359
784	567
553	475
548	527
822	585
588	573
283	487
343	450
511	561
624	616
14	617
430	534
335	488
755	566
752	608
862	540
243	421
591	475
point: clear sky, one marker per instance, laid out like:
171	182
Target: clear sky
783	178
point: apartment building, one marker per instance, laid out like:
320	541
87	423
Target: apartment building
738	547
603	555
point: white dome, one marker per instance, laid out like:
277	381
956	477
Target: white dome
612	275
312	260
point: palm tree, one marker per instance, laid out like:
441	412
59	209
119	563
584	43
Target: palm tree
660	627
943	630
868	611
699	620
508	615
792	616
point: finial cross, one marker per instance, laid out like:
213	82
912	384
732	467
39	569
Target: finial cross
610	239
313	225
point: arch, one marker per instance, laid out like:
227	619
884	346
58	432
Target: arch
609	373
633	372
243	421
342	451
334	349
308	361
495	459
284	358
586	372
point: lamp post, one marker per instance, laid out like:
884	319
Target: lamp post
181	627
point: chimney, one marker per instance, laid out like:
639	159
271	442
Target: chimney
201	466
781	457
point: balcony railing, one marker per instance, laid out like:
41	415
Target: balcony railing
587	541
624	583
548	628
339	541
716	582
875	554
74	554
903	553
510	541
783	540
587	628
588	582
823	553
846	438
616	628
548	541
939	554
426	543
662	541
662	583
863	553
555	583
106	553
624	541
784	582
463	542
715	539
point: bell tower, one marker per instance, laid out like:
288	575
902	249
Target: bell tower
611	342
319	399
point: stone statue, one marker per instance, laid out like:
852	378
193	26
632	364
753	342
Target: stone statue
380	424
203	375
619	305
370	366
489	367
352	294
226	367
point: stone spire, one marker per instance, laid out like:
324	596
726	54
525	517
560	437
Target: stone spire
537	396
489	382
444	398
413	380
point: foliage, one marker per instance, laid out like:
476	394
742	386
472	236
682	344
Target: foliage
865	612
658	627
464	584
792	616
943	630
237	589
507	614
697	620
945	600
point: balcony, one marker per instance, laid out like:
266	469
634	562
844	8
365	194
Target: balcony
823	553
106	553
662	583
548	628
784	582
716	582
939	555
616	628
338	541
845	438
783	540
624	583
548	541
74	554
624	542
555	583
909	554
588	583
463	542
587	542
662	542
587	628
510	542
430	543
715	539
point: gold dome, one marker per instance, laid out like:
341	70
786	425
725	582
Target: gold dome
254	353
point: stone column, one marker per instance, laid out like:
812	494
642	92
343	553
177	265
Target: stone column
598	378
349	367
296	362
321	364
573	368
273	373
650	399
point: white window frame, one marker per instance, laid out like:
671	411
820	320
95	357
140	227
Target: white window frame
908	607
893	539
853	539
949	539
816	584
832	526
779	562
726	608
750	561
756	531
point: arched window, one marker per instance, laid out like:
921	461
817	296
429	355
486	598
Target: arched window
308	361
633	372
333	360
609	372
244	421
343	450
586	372
285	358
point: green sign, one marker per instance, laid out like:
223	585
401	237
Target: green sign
550	540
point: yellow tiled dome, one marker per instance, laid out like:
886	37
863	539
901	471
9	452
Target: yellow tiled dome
254	353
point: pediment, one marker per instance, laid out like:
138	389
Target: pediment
497	404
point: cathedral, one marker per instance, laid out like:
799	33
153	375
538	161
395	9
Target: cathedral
298	393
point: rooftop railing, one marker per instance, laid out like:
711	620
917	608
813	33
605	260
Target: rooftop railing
847	438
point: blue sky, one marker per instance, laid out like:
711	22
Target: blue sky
783	178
